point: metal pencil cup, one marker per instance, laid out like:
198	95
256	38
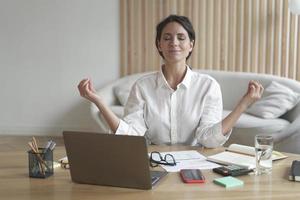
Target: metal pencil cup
41	163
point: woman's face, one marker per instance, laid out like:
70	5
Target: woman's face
175	43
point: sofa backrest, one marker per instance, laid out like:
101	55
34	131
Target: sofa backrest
233	86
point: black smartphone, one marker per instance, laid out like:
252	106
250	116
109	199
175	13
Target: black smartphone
232	170
192	176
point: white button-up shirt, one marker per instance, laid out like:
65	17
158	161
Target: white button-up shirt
189	115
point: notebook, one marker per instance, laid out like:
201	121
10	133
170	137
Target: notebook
295	171
110	160
241	155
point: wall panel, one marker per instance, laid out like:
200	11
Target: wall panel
259	36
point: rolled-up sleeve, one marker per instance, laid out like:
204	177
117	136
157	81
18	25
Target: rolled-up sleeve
209	132
133	122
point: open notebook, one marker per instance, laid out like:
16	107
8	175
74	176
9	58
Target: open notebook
241	155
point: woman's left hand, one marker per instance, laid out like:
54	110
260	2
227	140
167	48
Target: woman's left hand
254	92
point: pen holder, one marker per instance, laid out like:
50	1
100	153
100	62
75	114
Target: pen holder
41	163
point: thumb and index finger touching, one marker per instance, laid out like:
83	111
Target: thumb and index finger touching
85	86
254	87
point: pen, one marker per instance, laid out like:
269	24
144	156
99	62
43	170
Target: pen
52	145
49	146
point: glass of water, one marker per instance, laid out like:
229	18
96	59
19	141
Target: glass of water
263	154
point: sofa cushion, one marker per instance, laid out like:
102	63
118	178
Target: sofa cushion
118	110
248	126
261	124
277	100
122	92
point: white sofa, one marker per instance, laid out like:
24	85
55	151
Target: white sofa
233	86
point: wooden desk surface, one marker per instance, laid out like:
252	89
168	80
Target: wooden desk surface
15	183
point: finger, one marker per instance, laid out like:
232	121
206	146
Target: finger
256	84
82	82
261	90
86	89
251	81
91	86
81	91
81	87
251	84
258	89
251	90
85	83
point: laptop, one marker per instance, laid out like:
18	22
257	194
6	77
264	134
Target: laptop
110	160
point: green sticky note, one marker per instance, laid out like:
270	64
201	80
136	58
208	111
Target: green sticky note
228	182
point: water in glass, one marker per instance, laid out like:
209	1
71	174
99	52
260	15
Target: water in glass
263	154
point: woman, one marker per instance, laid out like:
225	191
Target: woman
175	105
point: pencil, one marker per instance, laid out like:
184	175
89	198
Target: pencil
39	162
34	142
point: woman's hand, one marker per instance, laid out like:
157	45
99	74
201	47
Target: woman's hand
254	92
87	90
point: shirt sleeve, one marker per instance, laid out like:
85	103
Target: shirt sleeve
209	131
133	122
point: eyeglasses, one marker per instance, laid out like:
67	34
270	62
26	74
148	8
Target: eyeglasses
157	159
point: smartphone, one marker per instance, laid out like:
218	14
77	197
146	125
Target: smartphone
192	176
232	170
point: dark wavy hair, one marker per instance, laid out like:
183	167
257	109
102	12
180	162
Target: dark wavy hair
183	21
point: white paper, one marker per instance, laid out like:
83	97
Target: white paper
238	148
242	149
233	158
188	160
190	164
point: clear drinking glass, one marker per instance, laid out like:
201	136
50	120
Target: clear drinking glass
263	154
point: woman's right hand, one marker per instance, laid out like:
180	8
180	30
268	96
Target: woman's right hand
87	90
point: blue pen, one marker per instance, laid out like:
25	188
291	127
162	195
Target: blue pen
49	146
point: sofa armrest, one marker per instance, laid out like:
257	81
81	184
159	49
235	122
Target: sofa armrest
108	95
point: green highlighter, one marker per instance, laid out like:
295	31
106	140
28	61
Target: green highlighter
228	182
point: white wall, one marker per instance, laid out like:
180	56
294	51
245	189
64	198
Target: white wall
46	48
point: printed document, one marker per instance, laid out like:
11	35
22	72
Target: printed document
188	160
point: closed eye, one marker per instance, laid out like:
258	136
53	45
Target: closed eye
181	36
167	37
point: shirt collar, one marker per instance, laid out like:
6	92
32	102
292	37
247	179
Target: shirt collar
188	77
161	80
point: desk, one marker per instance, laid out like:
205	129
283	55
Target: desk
15	183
